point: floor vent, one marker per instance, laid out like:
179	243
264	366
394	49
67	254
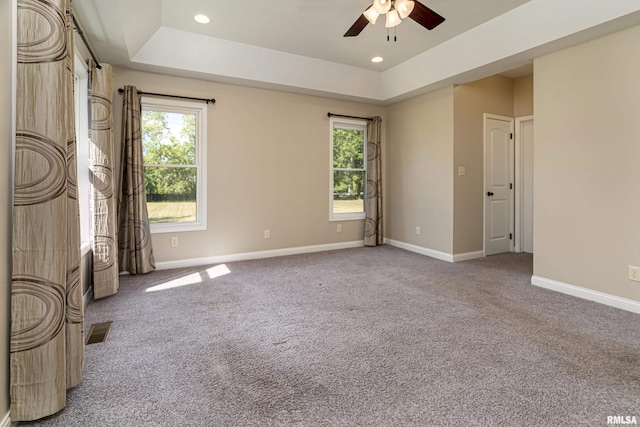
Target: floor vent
98	333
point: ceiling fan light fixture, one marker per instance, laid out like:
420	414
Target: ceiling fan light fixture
404	7
393	19
371	14
382	6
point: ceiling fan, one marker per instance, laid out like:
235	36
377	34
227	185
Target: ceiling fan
395	11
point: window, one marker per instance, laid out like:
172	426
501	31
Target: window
174	151
348	168
83	153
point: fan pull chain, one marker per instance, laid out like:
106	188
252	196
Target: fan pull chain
395	34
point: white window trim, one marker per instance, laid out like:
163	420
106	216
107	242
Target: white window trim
83	164
346	124
200	110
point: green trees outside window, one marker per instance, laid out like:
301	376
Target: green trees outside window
348	168
170	168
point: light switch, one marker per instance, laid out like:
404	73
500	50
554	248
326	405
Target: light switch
462	170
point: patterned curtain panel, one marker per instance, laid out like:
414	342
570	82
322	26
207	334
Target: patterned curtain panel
105	222
46	299
373	202
134	237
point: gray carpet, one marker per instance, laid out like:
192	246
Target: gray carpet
370	336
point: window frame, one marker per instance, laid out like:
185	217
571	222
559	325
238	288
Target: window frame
200	110
83	152
352	124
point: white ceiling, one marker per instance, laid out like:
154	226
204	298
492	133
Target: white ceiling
315	28
297	45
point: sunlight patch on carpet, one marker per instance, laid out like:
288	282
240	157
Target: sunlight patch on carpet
218	271
192	279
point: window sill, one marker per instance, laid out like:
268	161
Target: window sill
346	217
176	228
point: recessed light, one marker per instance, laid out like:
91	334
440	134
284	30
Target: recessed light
377	59
202	19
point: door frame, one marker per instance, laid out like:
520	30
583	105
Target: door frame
519	170
511	120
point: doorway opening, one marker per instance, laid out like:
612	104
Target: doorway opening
508	184
524	185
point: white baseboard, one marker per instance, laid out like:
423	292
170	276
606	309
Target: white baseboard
588	294
6	421
468	256
443	256
195	262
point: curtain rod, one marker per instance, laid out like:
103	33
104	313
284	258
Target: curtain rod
210	100
350	117
86	42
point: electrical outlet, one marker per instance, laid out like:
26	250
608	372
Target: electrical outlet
267	234
174	242
339	228
462	170
417	231
634	273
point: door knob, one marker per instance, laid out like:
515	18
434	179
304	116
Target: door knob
489	193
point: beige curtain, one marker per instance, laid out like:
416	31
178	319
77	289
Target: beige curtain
105	222
373	201
134	238
46	299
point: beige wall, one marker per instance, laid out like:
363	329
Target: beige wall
586	174
268	167
429	137
493	95
419	181
523	96
6	160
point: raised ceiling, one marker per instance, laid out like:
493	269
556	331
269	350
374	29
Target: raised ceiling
297	45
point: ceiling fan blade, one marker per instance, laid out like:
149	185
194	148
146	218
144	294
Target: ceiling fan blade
357	27
425	16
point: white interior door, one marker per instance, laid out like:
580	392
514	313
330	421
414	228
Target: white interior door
524	184
498	188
